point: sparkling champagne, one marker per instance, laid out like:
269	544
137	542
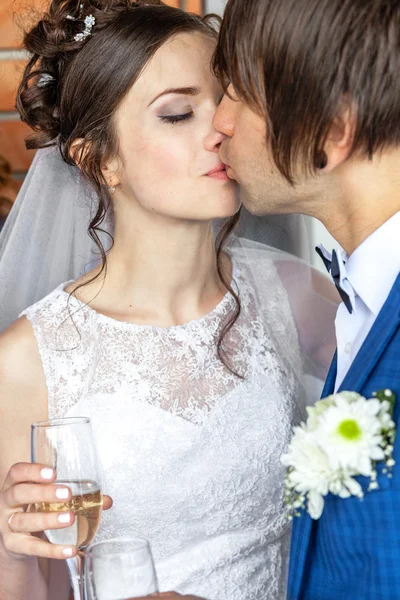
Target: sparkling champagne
86	503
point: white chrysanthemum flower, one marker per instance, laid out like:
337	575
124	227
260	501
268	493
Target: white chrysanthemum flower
310	472
314	412
311	468
345	435
350	433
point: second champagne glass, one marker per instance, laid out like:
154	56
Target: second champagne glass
68	446
119	569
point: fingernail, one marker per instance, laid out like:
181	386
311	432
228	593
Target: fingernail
64	518
68	552
47	473
62	493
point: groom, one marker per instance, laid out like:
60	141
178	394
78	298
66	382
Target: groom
311	124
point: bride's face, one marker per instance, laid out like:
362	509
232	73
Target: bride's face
168	159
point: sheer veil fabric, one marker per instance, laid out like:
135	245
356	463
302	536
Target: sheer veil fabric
44	240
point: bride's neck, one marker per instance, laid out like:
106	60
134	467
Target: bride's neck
164	273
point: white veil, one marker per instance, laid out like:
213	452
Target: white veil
44	240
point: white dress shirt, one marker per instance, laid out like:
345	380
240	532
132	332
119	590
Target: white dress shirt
372	270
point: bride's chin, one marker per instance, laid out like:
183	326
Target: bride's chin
231	211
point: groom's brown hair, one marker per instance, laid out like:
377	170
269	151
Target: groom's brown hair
294	61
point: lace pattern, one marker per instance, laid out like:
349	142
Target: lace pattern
190	452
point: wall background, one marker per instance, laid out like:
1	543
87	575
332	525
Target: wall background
14	14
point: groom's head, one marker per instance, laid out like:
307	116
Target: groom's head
312	84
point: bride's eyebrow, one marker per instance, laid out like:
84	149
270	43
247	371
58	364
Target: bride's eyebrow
185	91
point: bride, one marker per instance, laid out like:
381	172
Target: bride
188	355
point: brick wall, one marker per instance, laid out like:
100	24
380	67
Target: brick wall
13	15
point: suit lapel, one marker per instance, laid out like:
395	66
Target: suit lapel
329	386
301	533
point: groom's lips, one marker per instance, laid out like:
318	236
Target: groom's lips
230	172
228	168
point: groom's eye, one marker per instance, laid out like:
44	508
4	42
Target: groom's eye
173	119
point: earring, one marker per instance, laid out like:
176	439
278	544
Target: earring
111	189
321	160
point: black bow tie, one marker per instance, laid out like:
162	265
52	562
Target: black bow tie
332	266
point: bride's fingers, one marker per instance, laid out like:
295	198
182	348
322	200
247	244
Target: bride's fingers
33	522
107	502
29	545
28	472
32	493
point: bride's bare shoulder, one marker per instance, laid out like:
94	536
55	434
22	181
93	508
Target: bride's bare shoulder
20	364
23	393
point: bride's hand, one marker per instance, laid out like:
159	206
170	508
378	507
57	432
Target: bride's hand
28	484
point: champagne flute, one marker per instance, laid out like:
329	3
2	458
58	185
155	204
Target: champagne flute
119	569
68	446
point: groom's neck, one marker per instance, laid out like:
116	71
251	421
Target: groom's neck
361	195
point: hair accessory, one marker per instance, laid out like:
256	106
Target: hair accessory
89	24
45	79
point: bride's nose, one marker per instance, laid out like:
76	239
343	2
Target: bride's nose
213	140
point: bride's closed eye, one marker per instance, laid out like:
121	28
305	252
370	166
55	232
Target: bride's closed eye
173	119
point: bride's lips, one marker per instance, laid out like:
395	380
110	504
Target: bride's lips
218	173
228	169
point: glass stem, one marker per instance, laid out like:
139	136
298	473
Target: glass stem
75	567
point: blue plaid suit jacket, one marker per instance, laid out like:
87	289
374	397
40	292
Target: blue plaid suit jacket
353	551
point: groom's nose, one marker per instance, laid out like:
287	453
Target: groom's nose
224	119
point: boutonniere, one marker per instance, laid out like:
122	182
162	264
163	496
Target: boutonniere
345	435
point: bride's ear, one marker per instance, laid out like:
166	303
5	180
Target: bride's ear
110	171
78	152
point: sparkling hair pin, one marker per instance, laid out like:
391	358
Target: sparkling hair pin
44	80
89	22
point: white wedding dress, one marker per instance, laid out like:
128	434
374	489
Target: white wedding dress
190	452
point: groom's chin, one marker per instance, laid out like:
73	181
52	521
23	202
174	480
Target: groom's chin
253	204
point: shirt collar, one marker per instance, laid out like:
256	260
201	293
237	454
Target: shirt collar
374	266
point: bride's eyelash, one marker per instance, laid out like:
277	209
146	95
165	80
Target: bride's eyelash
172	119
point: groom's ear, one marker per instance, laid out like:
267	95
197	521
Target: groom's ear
339	143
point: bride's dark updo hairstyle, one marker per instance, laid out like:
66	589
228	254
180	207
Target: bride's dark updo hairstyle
73	85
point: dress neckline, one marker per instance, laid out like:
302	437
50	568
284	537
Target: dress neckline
222	308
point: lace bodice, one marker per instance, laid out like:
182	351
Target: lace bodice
190	452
